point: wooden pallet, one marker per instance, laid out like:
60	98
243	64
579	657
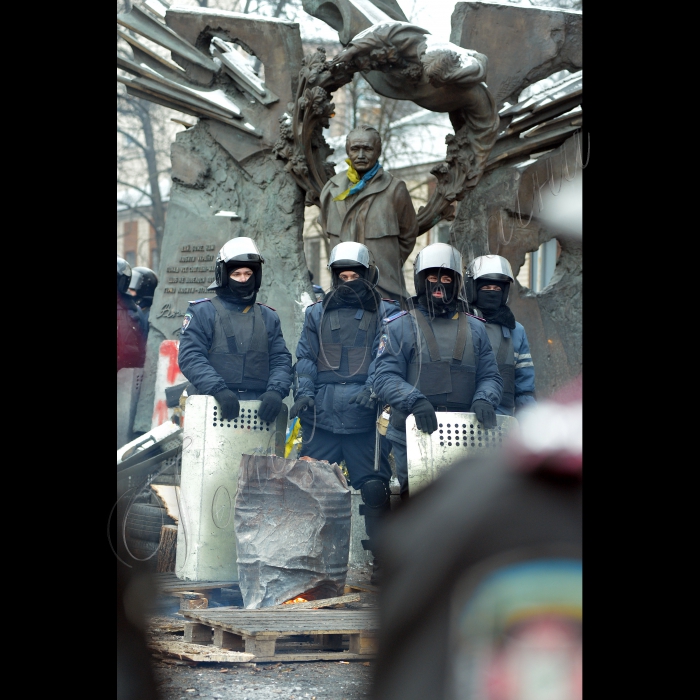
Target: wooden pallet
170	584
193	595
272	636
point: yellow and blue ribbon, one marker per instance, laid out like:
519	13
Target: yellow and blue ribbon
360	182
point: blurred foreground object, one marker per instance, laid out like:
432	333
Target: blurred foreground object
134	673
482	591
563	212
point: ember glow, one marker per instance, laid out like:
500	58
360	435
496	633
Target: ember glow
295	600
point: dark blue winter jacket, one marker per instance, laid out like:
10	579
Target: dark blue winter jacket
524	371
397	348
332	410
196	340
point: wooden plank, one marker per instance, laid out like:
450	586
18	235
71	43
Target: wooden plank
282	632
165	624
260	647
360	586
172	588
291	623
188	585
315	604
197	634
277	626
226	640
197	653
328	642
242	613
363	644
313	656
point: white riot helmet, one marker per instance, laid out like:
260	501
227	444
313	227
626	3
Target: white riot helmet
437	255
242	251
488	267
347	255
123	275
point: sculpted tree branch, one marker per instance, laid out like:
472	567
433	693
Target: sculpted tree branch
301	143
399	61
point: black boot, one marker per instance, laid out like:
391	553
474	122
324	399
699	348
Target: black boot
376	577
376	495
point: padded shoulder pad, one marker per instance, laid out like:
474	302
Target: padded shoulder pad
393	317
269	307
478	318
199	301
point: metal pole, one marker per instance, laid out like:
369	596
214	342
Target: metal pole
377	437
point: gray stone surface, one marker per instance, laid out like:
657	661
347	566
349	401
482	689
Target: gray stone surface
496	218
219	168
277	43
524	44
270	207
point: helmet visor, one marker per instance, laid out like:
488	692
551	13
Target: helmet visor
349	253
439	255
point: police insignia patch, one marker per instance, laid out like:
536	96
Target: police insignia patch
382	344
186	322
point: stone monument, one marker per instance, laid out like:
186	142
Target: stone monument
497	162
226	181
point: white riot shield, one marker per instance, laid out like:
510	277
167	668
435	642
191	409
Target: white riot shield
211	454
128	389
458	435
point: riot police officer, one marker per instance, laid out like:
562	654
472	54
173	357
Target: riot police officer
231	347
435	357
142	287
334	378
487	285
131	323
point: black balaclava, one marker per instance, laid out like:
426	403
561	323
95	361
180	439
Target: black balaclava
492	304
244	292
449	302
358	293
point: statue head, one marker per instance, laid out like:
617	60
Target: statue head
440	66
363	146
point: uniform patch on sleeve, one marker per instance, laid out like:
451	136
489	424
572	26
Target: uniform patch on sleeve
186	322
393	317
383	342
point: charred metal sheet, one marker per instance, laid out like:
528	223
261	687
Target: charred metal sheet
292	523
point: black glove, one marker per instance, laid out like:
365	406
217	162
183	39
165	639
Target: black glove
424	413
230	408
300	405
364	398
270	406
485	413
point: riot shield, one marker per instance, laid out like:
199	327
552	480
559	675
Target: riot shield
211	454
458	435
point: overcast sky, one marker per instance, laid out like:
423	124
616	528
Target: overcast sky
433	15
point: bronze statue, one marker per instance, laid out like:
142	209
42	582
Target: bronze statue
402	61
368	205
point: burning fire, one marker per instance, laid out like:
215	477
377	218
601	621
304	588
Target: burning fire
299	599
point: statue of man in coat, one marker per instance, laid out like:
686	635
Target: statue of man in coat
368	205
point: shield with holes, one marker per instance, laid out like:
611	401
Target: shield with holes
212	449
458	435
